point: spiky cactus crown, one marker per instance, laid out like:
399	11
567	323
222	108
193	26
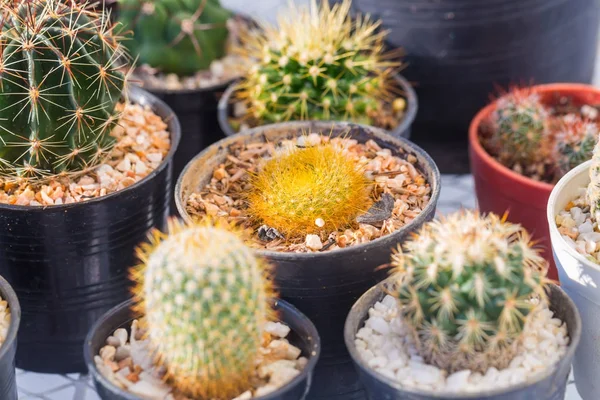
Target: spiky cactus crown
176	36
317	64
294	189
521	125
575	141
59	83
205	297
465	284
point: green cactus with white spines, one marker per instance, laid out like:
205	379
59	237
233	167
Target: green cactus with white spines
205	297
318	63
464	286
593	189
60	84
575	142
520	128
176	36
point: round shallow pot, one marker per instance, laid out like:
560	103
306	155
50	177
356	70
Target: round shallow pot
457	51
8	382
226	104
500	189
303	335
68	263
580	278
550	386
323	285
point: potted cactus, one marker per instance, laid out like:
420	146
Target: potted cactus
205	325
10	318
318	63
573	220
184	58
326	204
523	142
84	173
467	313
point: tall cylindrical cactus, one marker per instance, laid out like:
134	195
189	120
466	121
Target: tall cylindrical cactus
59	85
205	296
176	36
465	286
318	63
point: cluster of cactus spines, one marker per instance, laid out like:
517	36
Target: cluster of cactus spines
176	36
464	284
575	142
205	297
302	185
520	127
59	84
593	189
318	63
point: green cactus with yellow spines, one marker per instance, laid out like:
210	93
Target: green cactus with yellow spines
465	285
294	189
205	297
319	64
60	84
575	142
176	36
520	128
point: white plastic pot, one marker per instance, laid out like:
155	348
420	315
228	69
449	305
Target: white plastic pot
580	278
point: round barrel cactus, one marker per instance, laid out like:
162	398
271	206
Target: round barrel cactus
176	36
205	297
59	84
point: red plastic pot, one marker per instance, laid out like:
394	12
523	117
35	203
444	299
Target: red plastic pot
500	190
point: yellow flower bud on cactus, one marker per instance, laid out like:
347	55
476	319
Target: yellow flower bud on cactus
303	185
205	298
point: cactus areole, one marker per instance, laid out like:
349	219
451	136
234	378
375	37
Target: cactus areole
59	84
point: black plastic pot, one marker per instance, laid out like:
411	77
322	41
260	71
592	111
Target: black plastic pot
226	104
549	386
303	335
68	263
459	50
323	285
8	382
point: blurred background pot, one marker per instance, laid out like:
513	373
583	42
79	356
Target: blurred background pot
323	285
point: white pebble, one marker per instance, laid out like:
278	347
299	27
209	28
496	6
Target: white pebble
379	325
277	329
313	242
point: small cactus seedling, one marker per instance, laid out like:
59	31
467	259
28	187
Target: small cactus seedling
520	128
465	284
176	36
205	297
575	141
59	84
300	186
318	63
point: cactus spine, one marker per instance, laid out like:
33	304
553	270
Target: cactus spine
465	284
60	84
176	36
294	189
317	64
205	296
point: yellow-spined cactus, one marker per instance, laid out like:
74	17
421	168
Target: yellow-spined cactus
307	190
205	298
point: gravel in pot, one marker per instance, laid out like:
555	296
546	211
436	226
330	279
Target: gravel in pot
324	271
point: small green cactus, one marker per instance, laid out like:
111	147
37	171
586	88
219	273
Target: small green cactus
59	84
520	128
320	64
176	36
575	141
205	297
465	285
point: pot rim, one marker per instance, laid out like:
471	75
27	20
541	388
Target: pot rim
412	103
7	293
485	112
405	144
560	186
304	374
133	93
349	337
